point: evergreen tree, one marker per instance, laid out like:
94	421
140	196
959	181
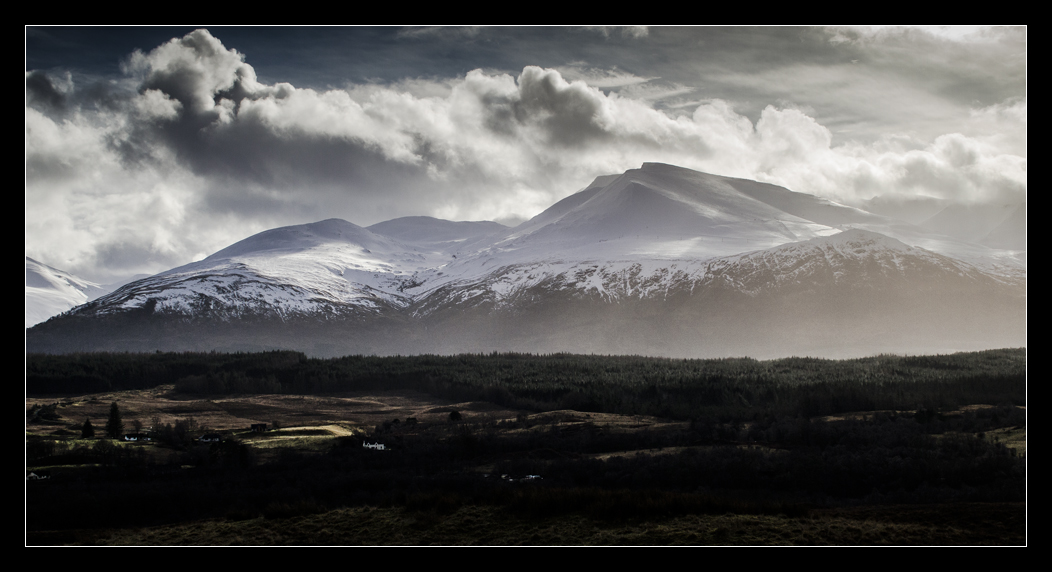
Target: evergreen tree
87	431
114	427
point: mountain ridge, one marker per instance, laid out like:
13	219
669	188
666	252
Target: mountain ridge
659	260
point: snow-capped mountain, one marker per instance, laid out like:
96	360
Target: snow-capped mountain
660	260
329	268
50	291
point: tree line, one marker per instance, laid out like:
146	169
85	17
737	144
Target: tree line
727	389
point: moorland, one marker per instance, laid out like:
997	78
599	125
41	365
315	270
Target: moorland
522	449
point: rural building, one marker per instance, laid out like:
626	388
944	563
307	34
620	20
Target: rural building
376	446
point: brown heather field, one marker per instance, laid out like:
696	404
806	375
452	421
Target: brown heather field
312	425
238	412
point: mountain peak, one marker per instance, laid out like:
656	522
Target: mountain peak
662	210
298	237
665	167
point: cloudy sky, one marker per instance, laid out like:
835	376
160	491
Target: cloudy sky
147	148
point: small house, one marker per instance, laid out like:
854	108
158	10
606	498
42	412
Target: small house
374	446
259	427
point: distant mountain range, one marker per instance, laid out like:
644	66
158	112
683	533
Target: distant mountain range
659	260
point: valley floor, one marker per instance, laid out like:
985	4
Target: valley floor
732	460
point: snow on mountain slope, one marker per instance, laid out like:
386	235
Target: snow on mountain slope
50	291
631	221
662	223
659	211
665	212
862	258
648	230
659	260
866	259
325	268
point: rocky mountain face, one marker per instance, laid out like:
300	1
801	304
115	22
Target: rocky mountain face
658	261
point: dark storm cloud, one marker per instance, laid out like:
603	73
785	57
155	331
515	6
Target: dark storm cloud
41	94
571	114
203	102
